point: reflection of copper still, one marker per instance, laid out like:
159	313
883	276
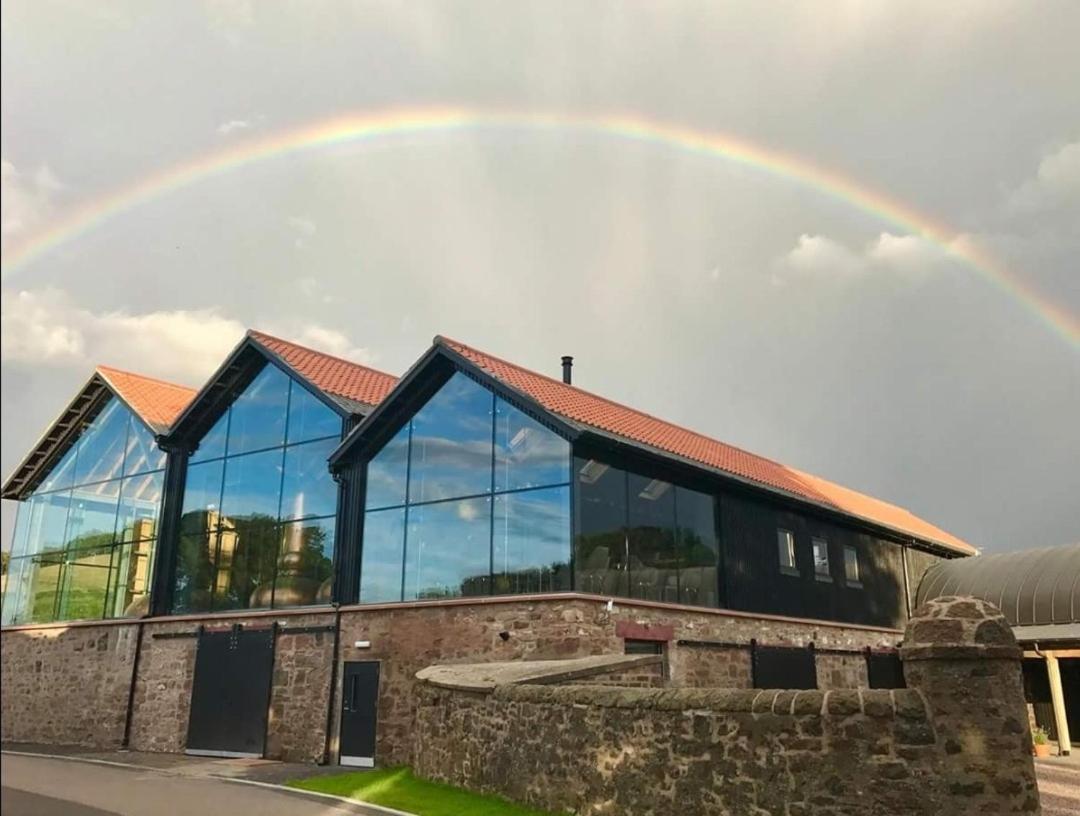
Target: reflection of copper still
227	540
136	586
291	588
199	597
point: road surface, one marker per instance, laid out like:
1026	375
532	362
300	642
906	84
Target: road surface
32	786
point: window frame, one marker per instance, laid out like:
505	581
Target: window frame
856	581
786	543
283	522
491	492
75	554
823	575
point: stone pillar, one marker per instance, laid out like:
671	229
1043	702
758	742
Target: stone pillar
961	654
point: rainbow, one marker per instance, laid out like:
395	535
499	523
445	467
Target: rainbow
403	122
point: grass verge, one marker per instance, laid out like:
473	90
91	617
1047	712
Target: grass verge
398	788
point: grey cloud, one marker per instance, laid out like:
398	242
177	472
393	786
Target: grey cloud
923	383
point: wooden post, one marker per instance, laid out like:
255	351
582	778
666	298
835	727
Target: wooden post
1057	697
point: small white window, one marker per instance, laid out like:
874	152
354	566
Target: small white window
785	543
851	566
821	559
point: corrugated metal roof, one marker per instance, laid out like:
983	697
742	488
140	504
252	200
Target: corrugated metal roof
1030	587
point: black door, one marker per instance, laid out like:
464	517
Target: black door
359	701
230	693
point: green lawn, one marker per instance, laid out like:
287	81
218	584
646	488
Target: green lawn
398	788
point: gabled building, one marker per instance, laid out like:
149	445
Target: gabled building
255	511
583	493
90	494
470	510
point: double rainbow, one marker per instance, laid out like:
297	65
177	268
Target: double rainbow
401	122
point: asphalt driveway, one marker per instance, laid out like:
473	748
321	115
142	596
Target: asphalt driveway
35	786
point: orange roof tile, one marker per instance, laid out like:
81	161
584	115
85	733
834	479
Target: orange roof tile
580	406
157	402
334	375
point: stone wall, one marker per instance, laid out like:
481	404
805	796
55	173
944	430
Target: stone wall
43	665
599	750
703	665
641	677
840	671
296	728
67	686
296	731
163	688
407	638
955	742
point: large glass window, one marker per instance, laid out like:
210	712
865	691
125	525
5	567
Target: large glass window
257	417
448	549
143	453
85	539
388	472
384	555
450	451
526	453
470	497
643	537
257	524
602	548
529	547
101	450
308	490
654	562
698	546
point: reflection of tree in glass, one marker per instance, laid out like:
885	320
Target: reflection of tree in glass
547	578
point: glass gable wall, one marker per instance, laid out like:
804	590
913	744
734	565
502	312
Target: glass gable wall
259	507
470	497
642	537
84	540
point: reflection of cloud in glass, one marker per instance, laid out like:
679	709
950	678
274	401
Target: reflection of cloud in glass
468	510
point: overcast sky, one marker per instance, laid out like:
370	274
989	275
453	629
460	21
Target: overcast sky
740	303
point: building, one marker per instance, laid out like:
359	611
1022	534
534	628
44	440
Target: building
1038	591
320	531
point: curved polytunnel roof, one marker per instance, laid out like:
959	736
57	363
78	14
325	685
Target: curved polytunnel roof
1031	588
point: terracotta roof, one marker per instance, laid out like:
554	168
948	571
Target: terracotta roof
157	402
580	406
338	377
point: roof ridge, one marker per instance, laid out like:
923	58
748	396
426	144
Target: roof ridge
102	367
617	404
256	333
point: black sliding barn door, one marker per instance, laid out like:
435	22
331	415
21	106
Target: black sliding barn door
359	704
230	693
